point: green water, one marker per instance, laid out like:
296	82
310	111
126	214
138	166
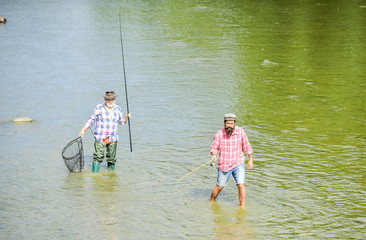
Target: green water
294	72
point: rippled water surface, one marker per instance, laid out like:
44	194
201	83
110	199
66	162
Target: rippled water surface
293	72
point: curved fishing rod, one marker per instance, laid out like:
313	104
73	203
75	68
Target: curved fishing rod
124	75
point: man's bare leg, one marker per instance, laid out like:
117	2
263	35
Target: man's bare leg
242	194
215	192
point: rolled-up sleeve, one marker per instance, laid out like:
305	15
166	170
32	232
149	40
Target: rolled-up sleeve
92	118
246	144
120	117
215	146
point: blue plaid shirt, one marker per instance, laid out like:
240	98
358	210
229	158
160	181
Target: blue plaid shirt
106	123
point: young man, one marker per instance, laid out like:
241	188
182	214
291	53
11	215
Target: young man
107	117
231	142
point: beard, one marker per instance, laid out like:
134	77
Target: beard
229	130
110	105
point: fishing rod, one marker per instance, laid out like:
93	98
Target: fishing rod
124	75
195	170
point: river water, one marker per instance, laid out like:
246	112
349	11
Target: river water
294	72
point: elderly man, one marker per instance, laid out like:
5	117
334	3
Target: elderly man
231	142
107	117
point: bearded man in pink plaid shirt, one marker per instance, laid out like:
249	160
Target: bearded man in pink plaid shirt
231	142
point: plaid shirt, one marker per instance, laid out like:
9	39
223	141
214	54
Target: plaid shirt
231	148
106	123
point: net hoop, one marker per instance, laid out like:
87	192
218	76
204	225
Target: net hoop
73	155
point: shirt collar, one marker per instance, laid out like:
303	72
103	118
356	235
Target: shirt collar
105	105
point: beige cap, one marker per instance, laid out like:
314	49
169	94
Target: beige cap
229	116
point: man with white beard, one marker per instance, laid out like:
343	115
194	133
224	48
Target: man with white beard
107	117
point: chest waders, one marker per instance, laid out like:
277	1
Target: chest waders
99	150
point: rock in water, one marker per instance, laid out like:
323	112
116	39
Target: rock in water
2	20
22	119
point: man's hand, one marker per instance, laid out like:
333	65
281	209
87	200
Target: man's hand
128	116
213	156
250	162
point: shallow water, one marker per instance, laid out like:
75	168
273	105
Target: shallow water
293	72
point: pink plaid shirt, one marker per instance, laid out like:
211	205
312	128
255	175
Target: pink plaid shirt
231	148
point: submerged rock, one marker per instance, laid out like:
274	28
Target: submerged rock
22	119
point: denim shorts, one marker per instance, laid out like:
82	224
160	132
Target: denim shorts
237	172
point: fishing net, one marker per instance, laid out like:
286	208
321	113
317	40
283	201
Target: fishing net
73	155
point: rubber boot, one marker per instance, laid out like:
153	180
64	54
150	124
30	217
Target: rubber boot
111	165
96	166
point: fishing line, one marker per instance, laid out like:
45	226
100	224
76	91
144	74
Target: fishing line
91	130
193	170
124	75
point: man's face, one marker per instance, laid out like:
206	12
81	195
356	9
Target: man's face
110	102
229	127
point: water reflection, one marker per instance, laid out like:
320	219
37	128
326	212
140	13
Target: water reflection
105	182
94	201
105	198
231	223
